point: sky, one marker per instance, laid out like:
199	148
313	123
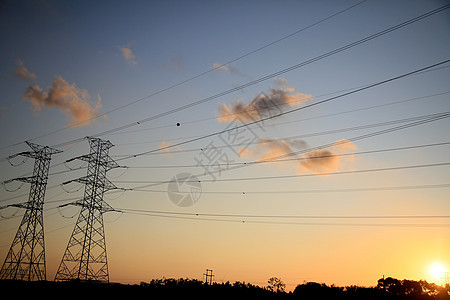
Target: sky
306	157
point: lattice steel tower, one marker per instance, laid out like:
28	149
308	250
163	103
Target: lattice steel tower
85	256
26	256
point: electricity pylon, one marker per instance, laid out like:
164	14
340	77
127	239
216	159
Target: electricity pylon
209	274
85	256
26	256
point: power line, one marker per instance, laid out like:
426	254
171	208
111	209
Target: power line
280	139
288	112
289	69
299	175
348	190
276	124
299	152
285	138
201	74
288	216
294	67
211	219
198	216
357	138
363	189
445	115
242	164
389	130
292	159
286	122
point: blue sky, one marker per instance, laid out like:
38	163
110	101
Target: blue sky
107	54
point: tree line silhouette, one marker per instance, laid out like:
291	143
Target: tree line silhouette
386	288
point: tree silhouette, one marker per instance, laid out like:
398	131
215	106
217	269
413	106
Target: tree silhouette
275	285
183	288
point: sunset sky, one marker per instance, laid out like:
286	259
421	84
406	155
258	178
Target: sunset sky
321	149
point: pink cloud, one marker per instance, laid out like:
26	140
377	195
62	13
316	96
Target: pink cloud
70	100
128	55
262	106
23	73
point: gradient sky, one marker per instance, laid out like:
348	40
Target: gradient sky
71	69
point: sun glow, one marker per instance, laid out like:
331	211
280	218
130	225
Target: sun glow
437	271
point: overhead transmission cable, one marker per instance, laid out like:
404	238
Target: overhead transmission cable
289	111
294	67
261	162
242	164
290	159
316	191
216	219
256	109
314	134
264	219
291	176
291	216
369	135
439	117
200	74
278	73
285	138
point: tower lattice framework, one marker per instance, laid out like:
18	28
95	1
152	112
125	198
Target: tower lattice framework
26	256
85	256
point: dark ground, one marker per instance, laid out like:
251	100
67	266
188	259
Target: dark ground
187	288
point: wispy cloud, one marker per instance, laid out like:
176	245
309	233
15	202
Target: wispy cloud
166	147
281	81
70	100
274	149
286	153
219	66
175	64
227	68
278	100
23	73
128	55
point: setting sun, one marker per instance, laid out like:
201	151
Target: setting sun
437	271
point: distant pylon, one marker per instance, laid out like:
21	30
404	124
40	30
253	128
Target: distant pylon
26	256
209	275
85	256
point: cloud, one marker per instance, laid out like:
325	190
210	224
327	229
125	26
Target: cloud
264	105
323	161
22	72
166	147
226	68
245	152
219	66
128	55
319	161
68	98
273	150
175	64
281	81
